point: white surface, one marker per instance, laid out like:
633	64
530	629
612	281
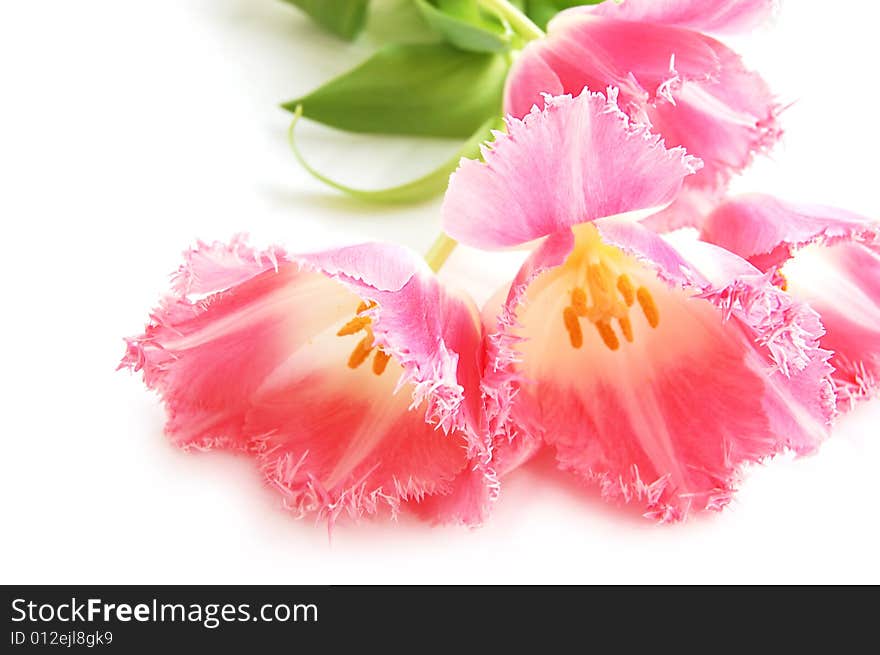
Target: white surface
128	129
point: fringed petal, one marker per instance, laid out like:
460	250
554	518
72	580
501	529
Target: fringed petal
212	267
725	120
212	341
469	501
576	160
827	257
767	231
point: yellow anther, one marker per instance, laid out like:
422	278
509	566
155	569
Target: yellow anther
626	327
361	351
607	334
579	301
380	361
354	326
572	324
649	308
625	286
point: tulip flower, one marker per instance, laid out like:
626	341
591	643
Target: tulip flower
691	88
352	375
827	257
654	370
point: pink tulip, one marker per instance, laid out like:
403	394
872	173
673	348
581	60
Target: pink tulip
692	89
655	371
352	375
827	257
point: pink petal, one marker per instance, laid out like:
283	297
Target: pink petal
725	121
210	267
766	230
689	209
259	366
731	375
206	357
705	15
829	258
584	50
468	502
335	443
577	160
692	89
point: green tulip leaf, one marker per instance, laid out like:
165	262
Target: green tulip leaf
398	21
415	89
463	24
345	18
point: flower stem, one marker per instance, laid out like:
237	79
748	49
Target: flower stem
520	23
439	251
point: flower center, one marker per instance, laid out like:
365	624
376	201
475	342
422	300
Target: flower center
604	296
365	346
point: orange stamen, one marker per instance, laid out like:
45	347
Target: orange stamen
626	327
649	307
354	326
570	318
380	361
607	334
625	286
361	351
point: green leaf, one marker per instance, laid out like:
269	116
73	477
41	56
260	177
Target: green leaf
541	11
464	25
398	21
344	18
419	89
427	186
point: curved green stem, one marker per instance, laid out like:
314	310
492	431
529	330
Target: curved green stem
520	23
431	184
439	251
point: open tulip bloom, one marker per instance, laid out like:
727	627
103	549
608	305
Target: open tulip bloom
655	364
653	370
353	375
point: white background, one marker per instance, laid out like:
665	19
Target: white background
129	129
